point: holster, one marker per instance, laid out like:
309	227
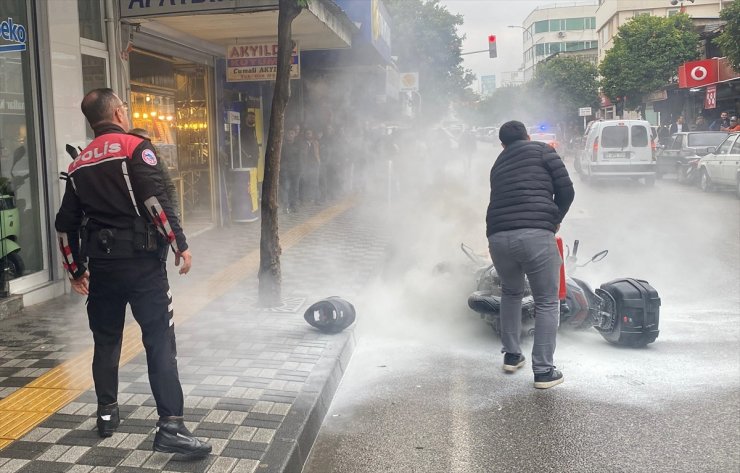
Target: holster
115	243
145	236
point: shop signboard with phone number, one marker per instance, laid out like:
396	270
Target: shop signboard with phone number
258	62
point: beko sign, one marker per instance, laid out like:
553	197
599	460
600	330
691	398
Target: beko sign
14	34
139	8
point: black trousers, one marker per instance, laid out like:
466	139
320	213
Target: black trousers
141	282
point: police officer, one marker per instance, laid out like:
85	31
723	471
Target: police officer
115	212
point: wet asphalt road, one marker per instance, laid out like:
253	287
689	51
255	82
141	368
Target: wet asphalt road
425	391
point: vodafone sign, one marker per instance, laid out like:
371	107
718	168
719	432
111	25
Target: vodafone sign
698	73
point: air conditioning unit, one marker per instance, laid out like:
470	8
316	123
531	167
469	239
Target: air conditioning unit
561	34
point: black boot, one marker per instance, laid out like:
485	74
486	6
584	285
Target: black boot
173	437
108	419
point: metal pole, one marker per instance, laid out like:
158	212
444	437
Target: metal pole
390	180
524	49
352	177
474	52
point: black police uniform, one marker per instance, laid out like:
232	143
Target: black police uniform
116	213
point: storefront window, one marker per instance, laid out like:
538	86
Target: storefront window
21	252
94	76
91	20
168	101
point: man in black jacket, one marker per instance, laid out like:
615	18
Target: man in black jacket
113	207
530	194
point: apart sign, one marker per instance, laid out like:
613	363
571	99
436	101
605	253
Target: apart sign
710	98
585	112
257	62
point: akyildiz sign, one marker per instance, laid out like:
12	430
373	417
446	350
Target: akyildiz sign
12	36
139	8
258	62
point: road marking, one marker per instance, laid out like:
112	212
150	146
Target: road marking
461	456
32	404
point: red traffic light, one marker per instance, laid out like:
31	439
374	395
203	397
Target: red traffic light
492	46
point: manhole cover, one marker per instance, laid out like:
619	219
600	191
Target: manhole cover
290	305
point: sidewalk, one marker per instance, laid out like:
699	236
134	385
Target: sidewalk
257	382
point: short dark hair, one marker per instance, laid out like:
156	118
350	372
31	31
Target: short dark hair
512	131
99	105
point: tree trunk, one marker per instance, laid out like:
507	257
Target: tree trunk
269	273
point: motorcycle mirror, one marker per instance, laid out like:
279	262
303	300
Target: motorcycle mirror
599	256
470	253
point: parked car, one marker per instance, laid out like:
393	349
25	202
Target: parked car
547	138
617	148
675	155
721	168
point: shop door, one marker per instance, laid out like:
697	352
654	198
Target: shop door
169	105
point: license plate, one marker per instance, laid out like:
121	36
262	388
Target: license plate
615	155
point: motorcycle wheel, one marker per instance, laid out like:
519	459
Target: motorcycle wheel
15	265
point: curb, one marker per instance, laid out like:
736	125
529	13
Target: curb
293	440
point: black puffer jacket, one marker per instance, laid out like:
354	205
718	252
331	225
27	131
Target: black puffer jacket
530	188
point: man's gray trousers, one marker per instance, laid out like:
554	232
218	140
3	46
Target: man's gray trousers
534	253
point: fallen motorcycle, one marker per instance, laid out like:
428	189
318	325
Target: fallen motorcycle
624	311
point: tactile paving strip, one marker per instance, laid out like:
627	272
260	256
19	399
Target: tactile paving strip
29	406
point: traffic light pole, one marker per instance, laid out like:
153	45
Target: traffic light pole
474	52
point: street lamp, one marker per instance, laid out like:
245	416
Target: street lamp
522	28
525	49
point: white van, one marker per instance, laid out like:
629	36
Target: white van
617	148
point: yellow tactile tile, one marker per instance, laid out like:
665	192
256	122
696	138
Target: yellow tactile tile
14	425
38	400
75	372
29	406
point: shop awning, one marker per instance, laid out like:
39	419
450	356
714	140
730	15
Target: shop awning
212	26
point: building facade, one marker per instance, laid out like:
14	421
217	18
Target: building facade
487	85
664	106
198	77
611	14
512	78
563	27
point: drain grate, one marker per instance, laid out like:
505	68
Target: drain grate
290	305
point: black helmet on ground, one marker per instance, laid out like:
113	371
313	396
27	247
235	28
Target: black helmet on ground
330	315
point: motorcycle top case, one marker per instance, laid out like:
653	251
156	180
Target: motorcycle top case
637	310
